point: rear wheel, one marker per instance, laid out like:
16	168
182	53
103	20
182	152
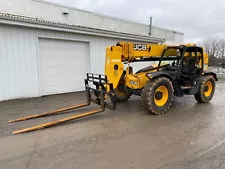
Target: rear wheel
157	95
206	89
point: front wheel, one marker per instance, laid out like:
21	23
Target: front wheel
157	95
120	94
206	89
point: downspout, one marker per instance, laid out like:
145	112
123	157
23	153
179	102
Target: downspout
150	26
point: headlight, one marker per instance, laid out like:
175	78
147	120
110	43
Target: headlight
133	82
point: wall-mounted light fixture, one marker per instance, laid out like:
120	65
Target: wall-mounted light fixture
65	11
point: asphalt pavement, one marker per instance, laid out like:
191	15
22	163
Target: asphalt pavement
190	135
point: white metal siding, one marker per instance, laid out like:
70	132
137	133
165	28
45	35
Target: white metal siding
19	71
18	63
178	39
63	65
79	17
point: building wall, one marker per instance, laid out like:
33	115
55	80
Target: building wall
19	45
19	58
53	12
178	39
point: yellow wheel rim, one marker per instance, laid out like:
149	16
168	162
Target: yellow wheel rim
161	96
209	89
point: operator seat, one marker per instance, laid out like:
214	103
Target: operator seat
190	67
189	71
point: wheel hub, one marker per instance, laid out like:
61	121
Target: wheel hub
161	96
158	95
208	89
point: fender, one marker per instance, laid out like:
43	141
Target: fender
195	89
159	74
176	86
210	73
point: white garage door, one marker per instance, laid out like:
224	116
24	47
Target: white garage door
63	65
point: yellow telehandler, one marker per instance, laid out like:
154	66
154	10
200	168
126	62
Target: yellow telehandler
176	70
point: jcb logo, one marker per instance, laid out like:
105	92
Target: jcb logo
140	47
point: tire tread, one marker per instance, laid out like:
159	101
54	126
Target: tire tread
147	96
199	97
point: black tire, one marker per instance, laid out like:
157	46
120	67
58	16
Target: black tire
205	94
120	94
149	99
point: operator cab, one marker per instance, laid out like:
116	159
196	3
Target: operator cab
190	66
185	66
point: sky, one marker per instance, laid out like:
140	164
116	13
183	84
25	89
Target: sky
197	19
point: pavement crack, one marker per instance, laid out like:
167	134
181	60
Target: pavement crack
32	154
220	165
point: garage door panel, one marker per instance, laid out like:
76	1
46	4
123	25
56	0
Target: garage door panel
60	63
61	81
66	54
63	65
59	89
62	71
59	72
47	47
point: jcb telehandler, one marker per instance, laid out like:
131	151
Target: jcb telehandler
178	70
